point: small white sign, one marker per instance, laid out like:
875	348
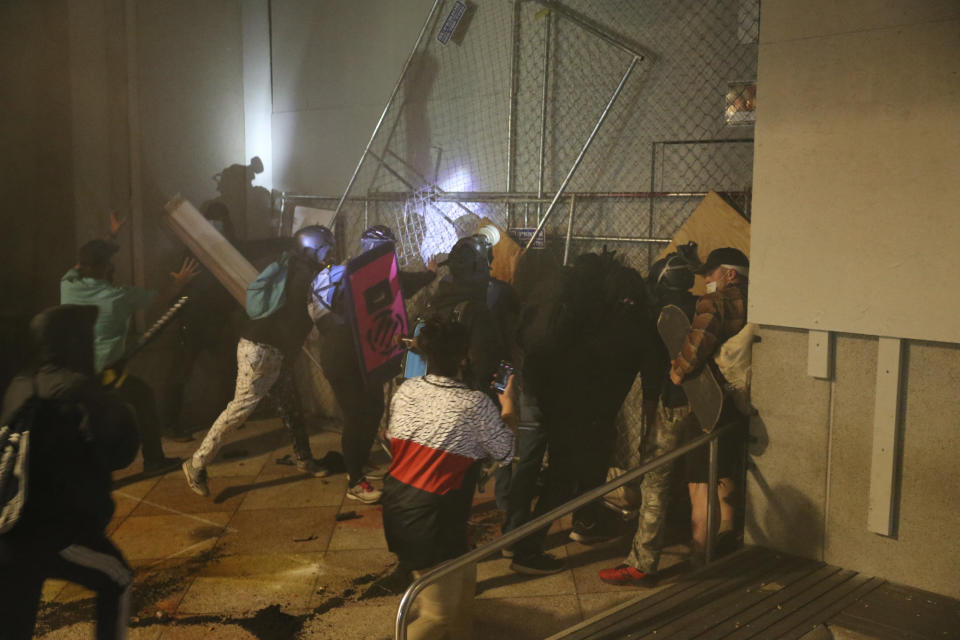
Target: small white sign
450	24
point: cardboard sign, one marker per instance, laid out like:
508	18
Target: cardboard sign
377	313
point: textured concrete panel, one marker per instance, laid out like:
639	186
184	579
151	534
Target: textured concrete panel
923	552
785	488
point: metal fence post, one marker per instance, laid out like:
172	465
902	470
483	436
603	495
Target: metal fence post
583	151
386	108
566	244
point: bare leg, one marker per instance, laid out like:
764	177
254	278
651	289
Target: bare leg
698	510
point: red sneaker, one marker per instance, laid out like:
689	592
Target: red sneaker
624	575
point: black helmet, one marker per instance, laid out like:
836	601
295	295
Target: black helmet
315	243
676	273
469	259
376	235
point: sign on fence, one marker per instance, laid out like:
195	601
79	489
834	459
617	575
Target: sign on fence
450	24
523	234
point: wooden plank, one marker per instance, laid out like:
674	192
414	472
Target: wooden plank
880	514
212	250
735	601
712	225
705	591
724	627
597	625
759	627
909	611
806	610
876	630
819	354
826	615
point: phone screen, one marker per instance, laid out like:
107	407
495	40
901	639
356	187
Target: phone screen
500	379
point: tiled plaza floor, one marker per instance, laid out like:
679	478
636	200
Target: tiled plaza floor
266	557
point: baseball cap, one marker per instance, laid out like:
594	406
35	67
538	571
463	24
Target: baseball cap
96	253
726	256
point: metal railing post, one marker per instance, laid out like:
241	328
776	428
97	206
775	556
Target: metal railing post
712	500
534	525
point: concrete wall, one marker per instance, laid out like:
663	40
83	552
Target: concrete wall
808	491
334	66
810	484
858	136
36	172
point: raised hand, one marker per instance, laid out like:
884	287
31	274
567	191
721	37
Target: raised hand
188	271
116	223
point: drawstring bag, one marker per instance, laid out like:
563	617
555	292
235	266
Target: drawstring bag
267	293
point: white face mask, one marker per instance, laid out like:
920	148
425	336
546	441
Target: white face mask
712	287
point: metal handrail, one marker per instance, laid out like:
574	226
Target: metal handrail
507	539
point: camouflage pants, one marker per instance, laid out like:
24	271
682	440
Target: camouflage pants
672	427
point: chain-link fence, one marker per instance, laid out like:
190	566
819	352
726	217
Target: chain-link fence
492	123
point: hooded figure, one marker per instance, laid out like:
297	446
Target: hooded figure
79	434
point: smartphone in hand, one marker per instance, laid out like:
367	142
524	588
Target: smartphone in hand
502	376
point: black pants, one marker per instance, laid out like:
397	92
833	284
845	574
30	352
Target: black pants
362	409
139	395
95	564
287	397
517	486
184	361
580	446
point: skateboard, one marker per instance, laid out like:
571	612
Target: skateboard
702	389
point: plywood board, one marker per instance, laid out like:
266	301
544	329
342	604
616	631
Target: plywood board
212	250
504	254
712	225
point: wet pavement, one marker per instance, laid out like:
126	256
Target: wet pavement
266	556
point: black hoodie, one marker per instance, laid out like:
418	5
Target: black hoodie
487	345
84	435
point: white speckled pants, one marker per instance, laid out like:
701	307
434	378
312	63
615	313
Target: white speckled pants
259	366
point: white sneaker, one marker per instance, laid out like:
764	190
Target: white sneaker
364	492
196	478
314	468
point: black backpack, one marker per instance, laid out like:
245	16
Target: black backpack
44	433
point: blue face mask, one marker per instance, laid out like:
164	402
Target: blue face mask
218	225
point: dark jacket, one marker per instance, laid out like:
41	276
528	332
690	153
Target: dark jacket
487	345
83	434
587	332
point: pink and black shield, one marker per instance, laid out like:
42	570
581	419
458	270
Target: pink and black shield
377	314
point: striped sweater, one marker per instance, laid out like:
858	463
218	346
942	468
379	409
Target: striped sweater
438	428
